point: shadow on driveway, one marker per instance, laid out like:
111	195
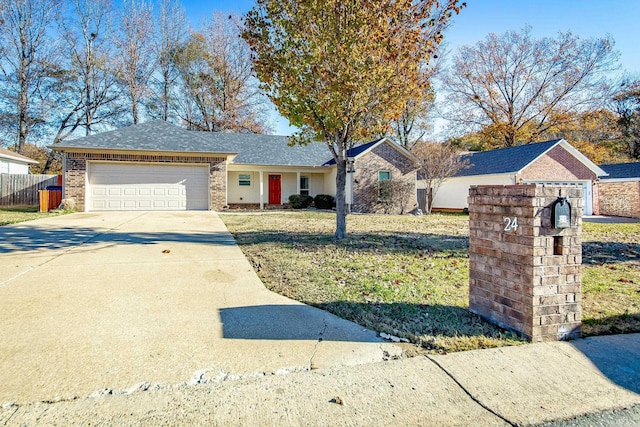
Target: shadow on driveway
616	356
290	322
21	238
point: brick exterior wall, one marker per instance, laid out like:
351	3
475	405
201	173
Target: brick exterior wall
526	279
619	198
76	173
365	180
557	164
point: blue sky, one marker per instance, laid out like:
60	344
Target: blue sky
586	18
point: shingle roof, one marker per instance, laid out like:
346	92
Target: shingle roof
251	149
8	154
357	150
622	170
504	160
157	135
254	149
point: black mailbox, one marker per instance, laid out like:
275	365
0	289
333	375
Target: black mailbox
561	213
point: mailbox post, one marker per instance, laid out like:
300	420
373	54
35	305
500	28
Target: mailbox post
561	213
525	256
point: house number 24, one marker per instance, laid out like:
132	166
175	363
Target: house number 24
511	224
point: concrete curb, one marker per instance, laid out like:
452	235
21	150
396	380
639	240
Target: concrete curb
524	385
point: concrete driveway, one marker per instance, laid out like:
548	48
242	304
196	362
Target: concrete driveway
118	301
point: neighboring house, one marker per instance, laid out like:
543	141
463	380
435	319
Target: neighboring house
14	163
159	166
550	163
619	193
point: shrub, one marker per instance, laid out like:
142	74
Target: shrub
324	201
300	201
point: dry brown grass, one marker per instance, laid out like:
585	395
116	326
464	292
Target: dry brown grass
408	276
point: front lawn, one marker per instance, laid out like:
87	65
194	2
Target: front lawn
13	215
408	276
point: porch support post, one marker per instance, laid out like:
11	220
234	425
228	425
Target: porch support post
261	190
298	183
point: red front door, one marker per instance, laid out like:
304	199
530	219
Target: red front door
275	190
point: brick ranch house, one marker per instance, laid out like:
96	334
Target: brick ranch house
619	192
550	163
159	166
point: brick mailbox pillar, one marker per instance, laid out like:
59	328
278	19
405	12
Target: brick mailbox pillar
525	271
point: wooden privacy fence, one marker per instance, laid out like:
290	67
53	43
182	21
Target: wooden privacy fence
22	190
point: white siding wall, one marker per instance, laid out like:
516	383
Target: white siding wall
289	185
453	193
7	166
316	184
245	194
330	183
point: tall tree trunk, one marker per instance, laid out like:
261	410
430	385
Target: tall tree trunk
23	127
134	107
341	210
165	96
23	103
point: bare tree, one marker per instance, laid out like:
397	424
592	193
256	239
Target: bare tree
627	106
171	34
90	75
416	119
413	123
26	50
216	69
135	53
436	163
520	86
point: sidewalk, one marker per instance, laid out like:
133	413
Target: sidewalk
522	385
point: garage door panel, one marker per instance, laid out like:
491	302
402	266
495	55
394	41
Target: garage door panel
114	186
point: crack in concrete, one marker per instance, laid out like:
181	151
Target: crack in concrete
199	377
468	393
320	339
11	416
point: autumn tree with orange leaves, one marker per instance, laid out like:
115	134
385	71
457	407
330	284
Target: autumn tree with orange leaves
341	70
518	87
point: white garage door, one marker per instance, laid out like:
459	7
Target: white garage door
129	187
586	192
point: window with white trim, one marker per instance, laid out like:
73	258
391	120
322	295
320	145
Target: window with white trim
244	179
383	177
304	185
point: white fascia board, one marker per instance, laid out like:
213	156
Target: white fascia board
605	180
241	167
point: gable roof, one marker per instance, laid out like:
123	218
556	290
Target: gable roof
512	160
622	170
250	149
19	158
361	149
